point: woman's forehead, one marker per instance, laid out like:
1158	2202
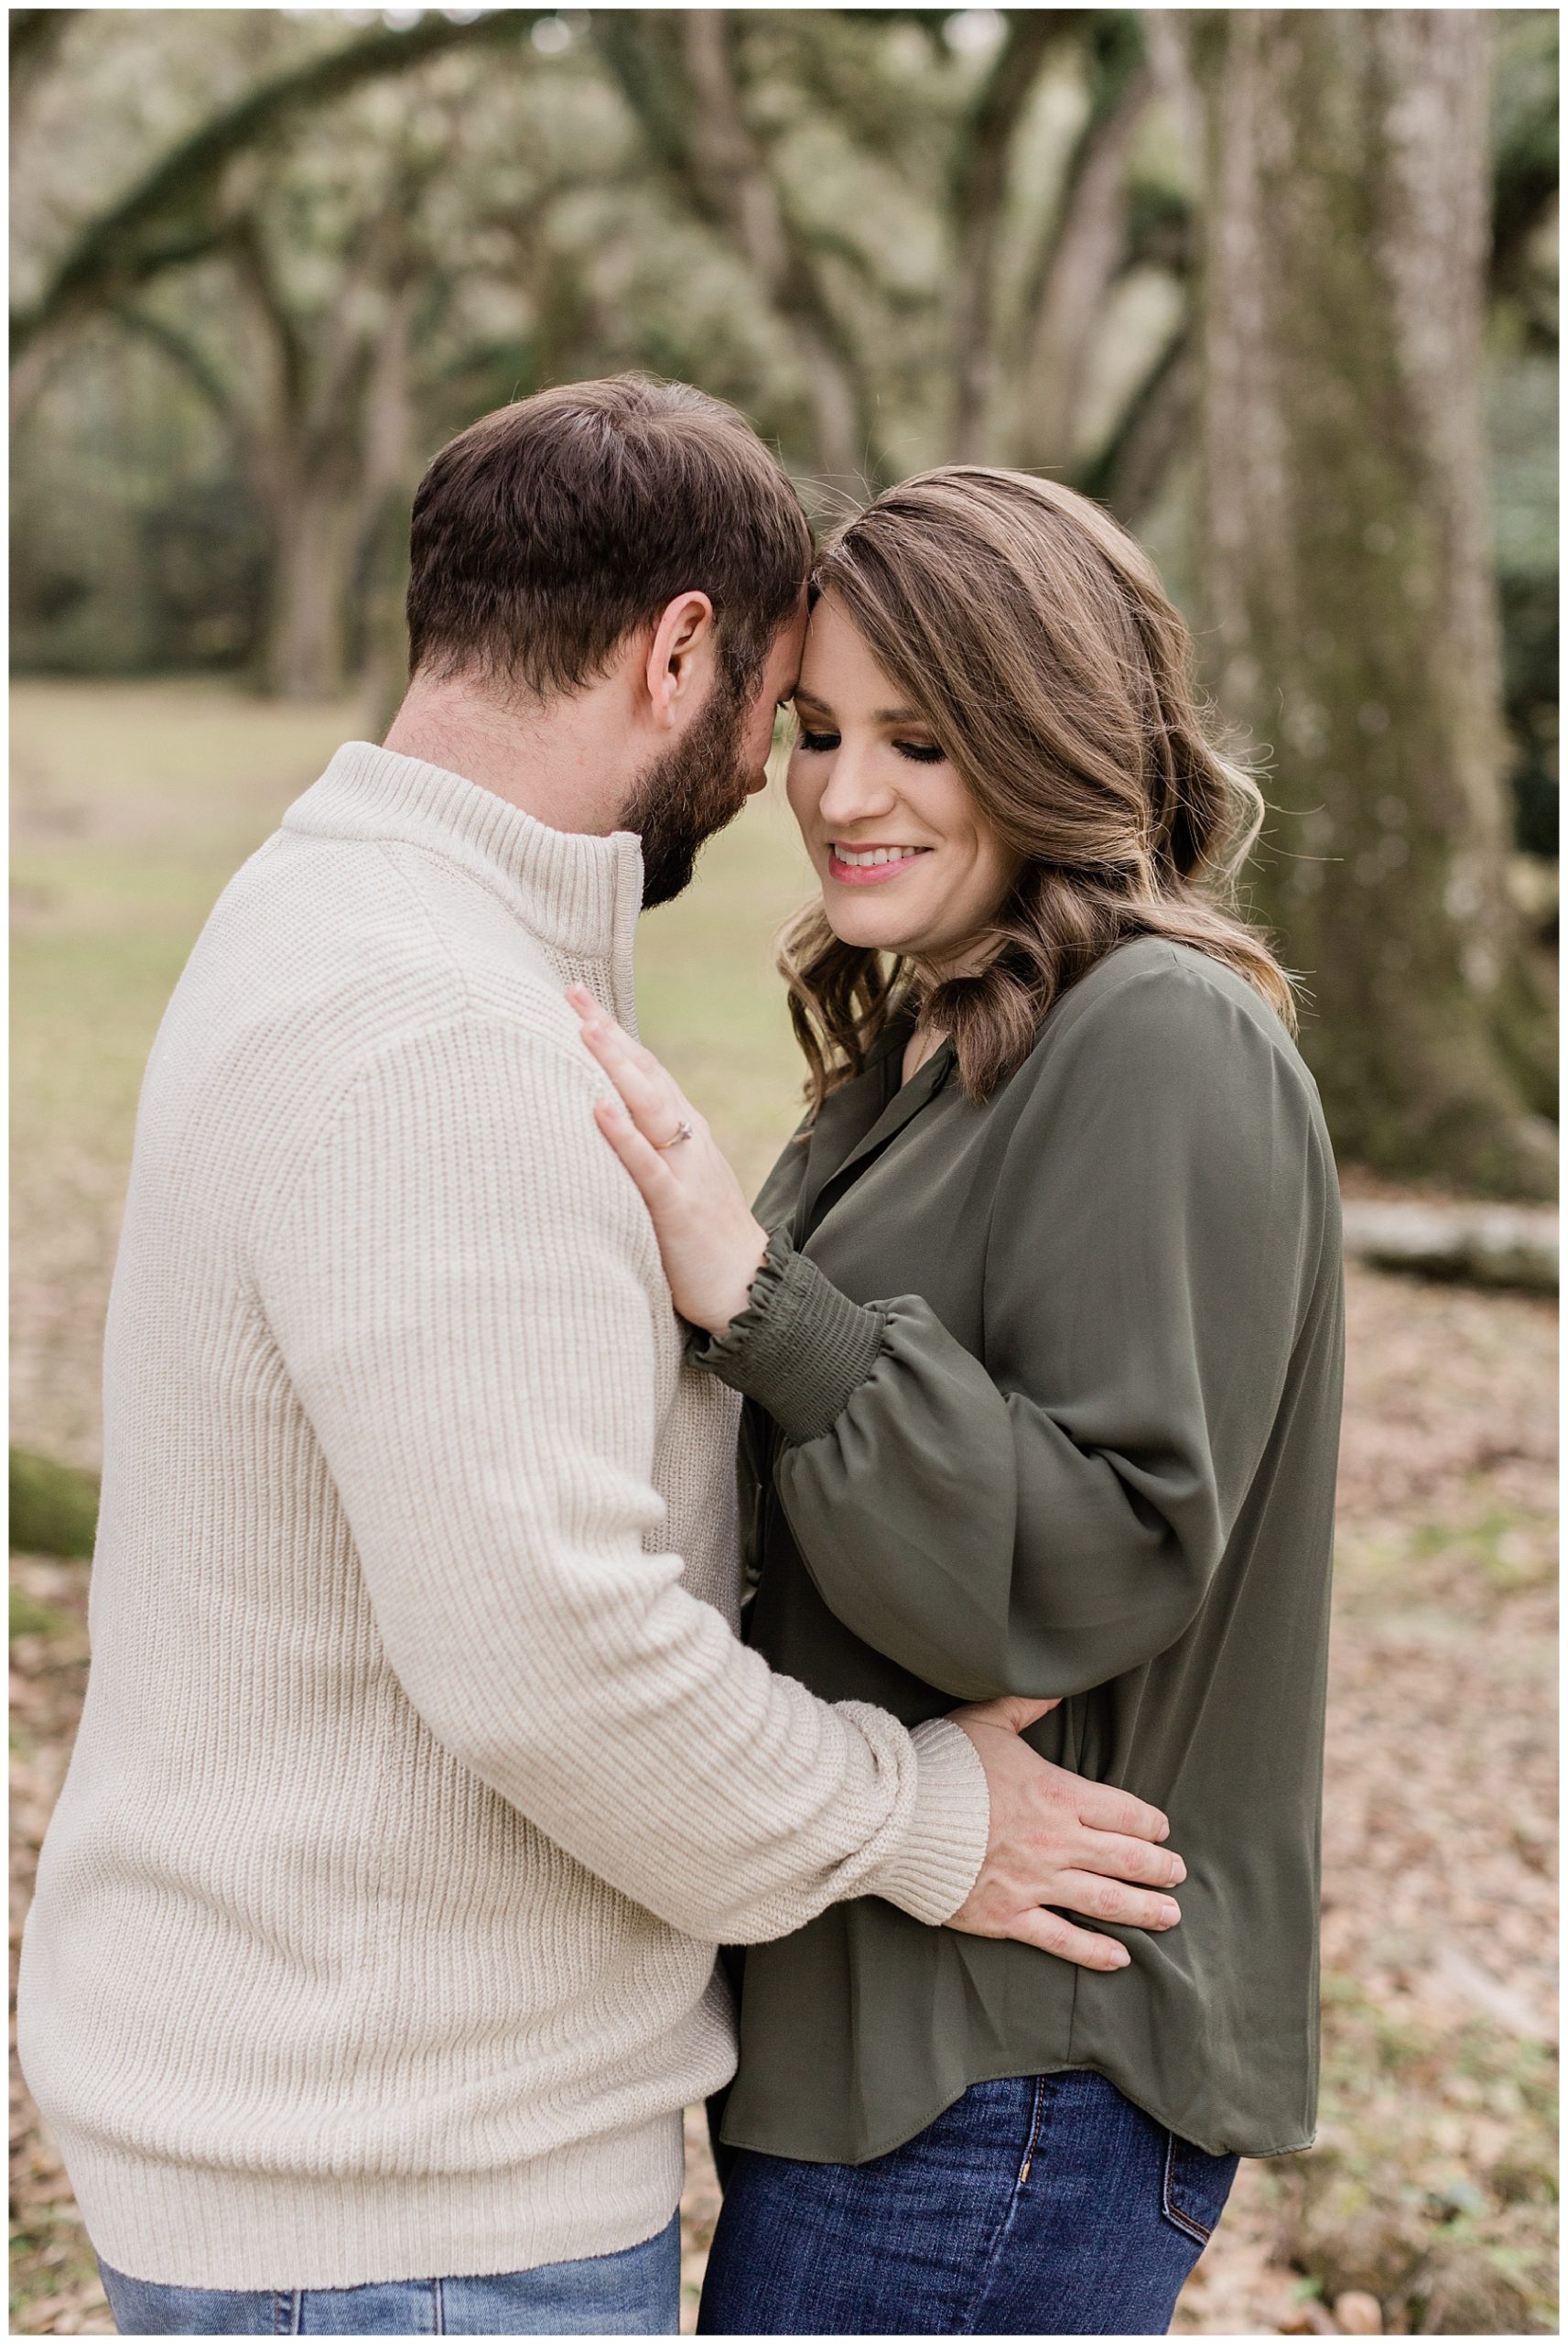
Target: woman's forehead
837	659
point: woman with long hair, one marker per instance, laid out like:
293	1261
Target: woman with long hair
1039	1323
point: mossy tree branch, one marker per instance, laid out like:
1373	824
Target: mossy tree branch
171	215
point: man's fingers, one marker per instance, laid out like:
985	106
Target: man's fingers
1112	1899
1122	1859
1104	1808
1052	1934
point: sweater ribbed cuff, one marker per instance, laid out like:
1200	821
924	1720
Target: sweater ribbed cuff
801	1349
940	1859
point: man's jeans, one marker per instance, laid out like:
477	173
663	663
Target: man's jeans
635	2293
1041	2206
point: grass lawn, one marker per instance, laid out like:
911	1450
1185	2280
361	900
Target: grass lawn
1433	2188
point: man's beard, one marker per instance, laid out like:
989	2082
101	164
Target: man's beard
689	792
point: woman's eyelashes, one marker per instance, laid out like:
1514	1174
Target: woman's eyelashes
919	753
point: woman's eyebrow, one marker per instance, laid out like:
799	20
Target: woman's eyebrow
882	716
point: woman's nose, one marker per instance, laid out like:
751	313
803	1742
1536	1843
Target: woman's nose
855	791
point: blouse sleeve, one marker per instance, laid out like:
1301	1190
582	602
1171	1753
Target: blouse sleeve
1043	1519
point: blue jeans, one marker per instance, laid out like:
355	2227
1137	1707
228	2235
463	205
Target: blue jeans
1039	2205
635	2293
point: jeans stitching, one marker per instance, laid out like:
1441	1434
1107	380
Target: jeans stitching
1035	2114
1036	2117
439	2305
1172	2212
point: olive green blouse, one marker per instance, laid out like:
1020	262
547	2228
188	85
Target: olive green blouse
1043	1397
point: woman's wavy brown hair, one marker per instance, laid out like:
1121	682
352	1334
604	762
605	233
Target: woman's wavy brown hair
1032	636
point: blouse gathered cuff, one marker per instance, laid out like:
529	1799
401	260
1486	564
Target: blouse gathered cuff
800	1349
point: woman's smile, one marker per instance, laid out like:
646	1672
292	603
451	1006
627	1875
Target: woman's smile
870	866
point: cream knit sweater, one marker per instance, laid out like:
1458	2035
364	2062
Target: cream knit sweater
421	1768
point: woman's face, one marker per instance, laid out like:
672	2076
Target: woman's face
907	860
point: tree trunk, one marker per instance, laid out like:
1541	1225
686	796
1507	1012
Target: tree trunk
391	472
1347	570
312	438
977	188
744	195
305	653
1075	281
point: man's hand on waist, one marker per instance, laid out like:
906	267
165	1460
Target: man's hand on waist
1058	1840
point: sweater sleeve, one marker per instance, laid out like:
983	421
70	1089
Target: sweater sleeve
1044	1519
459	1288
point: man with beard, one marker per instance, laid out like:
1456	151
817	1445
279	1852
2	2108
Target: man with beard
421	1769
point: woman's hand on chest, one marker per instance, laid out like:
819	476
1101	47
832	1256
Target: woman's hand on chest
711	1239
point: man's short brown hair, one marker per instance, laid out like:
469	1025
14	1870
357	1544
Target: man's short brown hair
547	531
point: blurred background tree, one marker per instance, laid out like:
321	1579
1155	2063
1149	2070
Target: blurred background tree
1277	286
1347	562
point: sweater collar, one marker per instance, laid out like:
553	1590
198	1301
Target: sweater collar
577	893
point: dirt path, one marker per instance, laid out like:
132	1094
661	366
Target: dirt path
1432	2187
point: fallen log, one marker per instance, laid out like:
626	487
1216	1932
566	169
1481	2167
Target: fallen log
1499	1245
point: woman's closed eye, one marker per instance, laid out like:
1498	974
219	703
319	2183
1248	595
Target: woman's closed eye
919	753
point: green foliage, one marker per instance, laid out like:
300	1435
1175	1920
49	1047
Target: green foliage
54	1508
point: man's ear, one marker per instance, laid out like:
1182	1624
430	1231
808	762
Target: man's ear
682	645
